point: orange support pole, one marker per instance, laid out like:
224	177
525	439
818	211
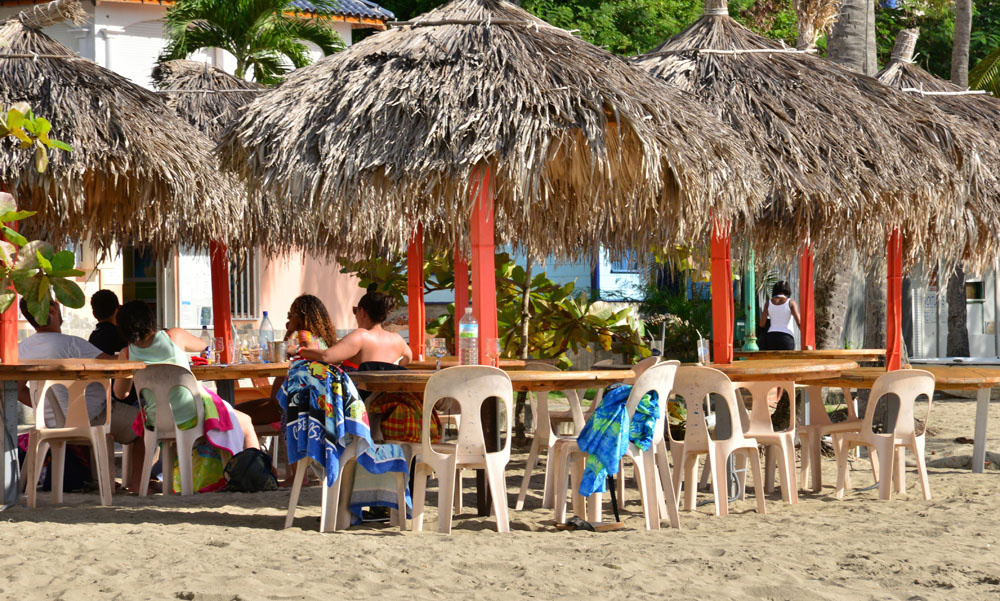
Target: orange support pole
8	321
807	298
415	292
484	282
221	308
894	304
722	295
461	289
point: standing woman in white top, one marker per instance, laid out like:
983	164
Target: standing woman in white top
781	310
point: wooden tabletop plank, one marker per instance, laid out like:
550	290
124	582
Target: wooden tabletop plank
68	369
452	361
784	369
522	380
945	377
239	371
852	354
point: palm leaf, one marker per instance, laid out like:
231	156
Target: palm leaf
986	74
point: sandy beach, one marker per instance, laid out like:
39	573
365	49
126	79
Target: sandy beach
228	546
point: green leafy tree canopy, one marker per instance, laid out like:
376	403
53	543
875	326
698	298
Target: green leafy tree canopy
265	36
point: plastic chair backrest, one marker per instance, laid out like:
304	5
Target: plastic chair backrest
760	415
572	397
469	386
78	417
695	384
162	378
642	366
658	378
907	385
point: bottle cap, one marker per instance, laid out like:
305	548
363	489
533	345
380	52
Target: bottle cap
468	309
265	313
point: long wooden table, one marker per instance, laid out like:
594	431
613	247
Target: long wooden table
43	369
854	354
225	376
795	370
523	380
452	361
980	379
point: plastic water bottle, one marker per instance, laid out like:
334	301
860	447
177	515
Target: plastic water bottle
266	337
468	339
206	337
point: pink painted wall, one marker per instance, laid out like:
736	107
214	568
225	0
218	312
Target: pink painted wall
284	278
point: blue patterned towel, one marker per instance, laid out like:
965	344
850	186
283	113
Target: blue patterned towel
603	437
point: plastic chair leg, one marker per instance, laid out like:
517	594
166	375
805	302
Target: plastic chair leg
918	453
498	488
28	467
98	443
758	484
786	465
37	452
419	492
401	501
650	503
58	469
560	477
717	464
149	440
528	468
293	501
458	492
899	470
346	489
185	446
167	448
770	464
330	503
690	490
887	461
669	492
840	450
577	462
446	492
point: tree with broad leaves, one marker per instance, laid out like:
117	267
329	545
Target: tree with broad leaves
265	36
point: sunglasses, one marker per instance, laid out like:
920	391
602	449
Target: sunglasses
354	310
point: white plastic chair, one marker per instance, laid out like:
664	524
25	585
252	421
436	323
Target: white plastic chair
469	386
546	435
159	380
697	385
77	428
779	446
336	498
811	434
652	470
887	449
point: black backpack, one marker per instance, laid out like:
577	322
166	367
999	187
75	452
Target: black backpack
250	471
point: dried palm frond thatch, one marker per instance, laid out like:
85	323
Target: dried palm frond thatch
137	174
583	147
848	159
206	97
978	109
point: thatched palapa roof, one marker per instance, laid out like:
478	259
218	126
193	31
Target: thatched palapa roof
206	97
978	109
848	159
388	134
137	174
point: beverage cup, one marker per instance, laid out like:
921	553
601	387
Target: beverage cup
704	356
276	351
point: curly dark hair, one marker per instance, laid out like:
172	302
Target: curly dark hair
376	304
104	303
136	321
315	317
781	288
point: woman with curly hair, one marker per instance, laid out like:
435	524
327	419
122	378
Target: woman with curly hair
309	324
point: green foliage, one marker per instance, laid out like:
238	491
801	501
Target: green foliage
986	75
34	269
20	122
562	319
262	34
685	319
772	18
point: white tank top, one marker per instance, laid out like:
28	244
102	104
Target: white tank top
781	317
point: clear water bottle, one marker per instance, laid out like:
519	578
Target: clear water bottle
468	339
206	337
265	336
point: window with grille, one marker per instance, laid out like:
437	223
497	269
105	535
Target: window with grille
244	287
629	263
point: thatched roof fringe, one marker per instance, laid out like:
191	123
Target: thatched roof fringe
583	148
41	16
137	174
38	56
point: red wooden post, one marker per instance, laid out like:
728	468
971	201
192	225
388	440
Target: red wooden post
461	289
894	304
722	295
807	298
415	291
221	308
8	321
484	283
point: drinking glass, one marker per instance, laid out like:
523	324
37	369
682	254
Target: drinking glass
703	352
492	350
252	348
291	348
218	348
437	347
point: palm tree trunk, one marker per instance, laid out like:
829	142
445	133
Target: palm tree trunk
852	41
833	285
960	43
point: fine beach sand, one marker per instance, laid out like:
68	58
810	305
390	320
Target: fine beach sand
230	546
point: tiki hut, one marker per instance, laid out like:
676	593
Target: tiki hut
847	159
584	148
978	109
137	174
